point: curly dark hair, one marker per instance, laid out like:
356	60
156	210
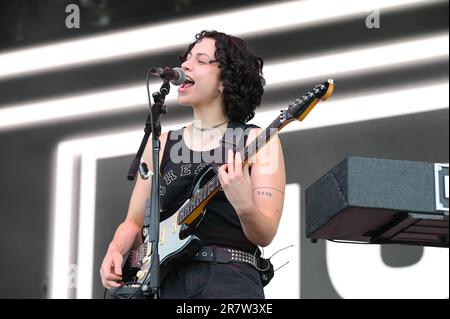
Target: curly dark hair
240	73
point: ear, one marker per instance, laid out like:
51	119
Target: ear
220	87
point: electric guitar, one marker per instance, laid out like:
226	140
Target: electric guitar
176	241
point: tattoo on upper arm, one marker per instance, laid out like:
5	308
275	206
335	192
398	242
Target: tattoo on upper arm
266	191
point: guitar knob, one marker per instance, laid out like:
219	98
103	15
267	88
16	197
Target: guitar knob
140	274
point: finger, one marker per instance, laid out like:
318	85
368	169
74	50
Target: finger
117	265
113	277
238	164
104	271
109	280
222	174
247	171
111	284
230	162
222	170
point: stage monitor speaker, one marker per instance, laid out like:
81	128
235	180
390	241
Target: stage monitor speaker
380	201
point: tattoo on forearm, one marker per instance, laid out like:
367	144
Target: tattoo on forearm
266	191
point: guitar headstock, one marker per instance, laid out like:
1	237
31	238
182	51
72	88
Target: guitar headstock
300	108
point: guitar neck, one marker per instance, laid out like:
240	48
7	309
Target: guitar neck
297	110
249	151
212	186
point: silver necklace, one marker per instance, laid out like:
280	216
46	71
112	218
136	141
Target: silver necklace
208	128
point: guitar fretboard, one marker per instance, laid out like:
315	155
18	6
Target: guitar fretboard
213	184
297	110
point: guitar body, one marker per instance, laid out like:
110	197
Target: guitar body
176	241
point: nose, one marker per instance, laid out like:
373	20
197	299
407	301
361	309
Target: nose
186	65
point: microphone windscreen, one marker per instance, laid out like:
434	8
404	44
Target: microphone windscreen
181	77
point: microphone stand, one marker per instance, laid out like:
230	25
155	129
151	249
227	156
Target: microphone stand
151	284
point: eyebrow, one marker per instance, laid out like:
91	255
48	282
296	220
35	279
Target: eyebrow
198	54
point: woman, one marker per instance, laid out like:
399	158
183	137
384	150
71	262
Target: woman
224	86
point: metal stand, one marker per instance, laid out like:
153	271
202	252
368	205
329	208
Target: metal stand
151	285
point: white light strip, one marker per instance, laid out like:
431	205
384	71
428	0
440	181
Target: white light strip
155	38
74	107
302	69
86	233
359	60
62	220
288	281
333	112
369	107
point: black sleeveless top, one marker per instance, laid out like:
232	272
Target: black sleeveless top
179	166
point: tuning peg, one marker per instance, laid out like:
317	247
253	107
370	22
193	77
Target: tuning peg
283	115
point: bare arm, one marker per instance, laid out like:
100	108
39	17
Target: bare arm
258	199
128	231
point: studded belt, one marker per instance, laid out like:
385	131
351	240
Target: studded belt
225	255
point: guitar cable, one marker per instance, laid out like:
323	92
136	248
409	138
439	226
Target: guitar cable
268	266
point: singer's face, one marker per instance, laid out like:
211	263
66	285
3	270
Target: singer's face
200	67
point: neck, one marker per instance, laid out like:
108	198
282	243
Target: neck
209	115
206	117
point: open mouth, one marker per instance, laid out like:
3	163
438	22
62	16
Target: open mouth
188	83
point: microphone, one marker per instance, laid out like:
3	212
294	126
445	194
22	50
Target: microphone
176	76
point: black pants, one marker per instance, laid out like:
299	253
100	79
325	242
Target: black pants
207	280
